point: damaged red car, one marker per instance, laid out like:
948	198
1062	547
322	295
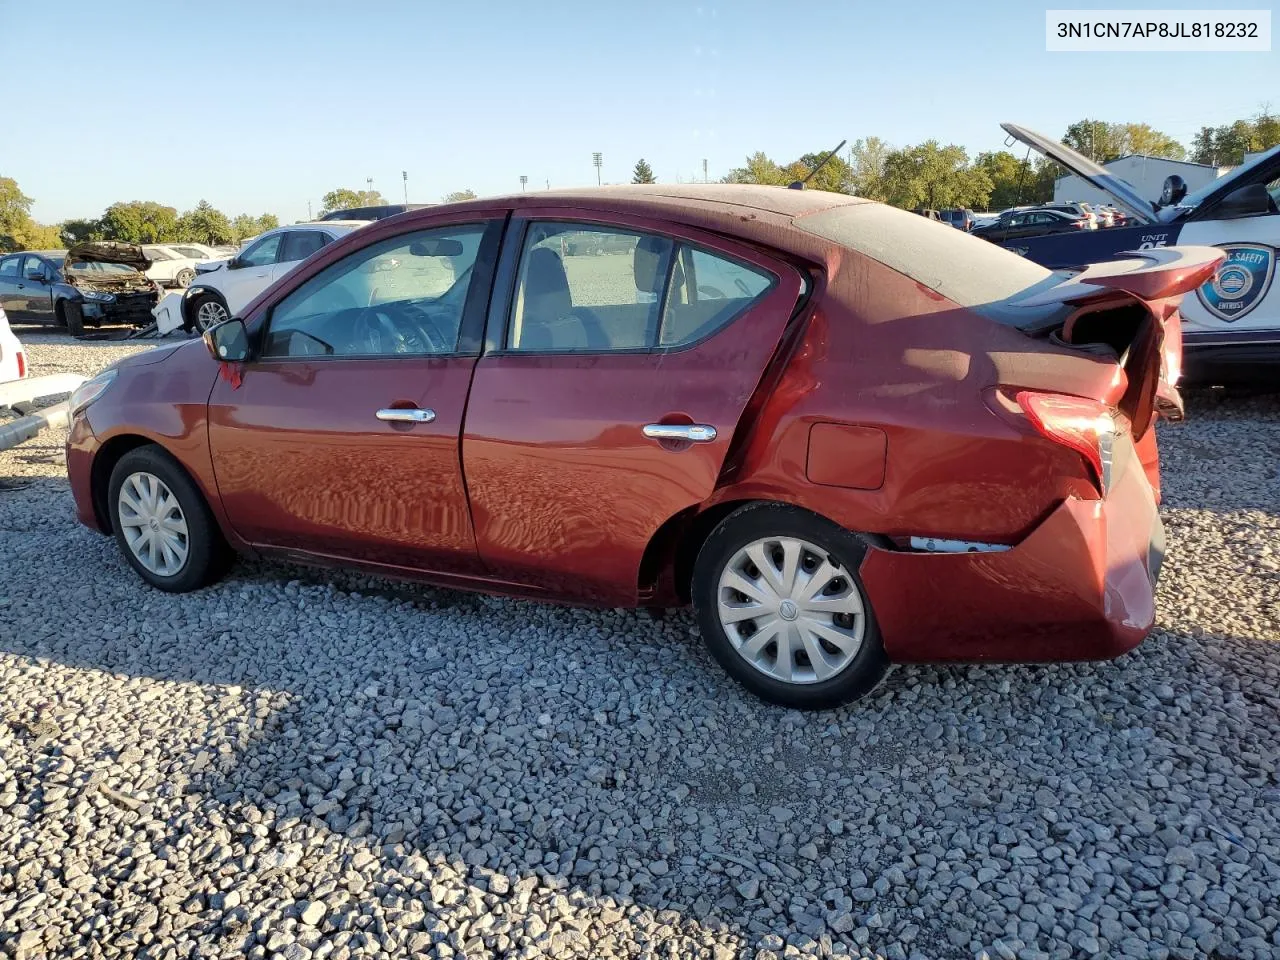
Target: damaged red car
846	434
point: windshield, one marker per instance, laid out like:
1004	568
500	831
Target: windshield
1193	200
107	268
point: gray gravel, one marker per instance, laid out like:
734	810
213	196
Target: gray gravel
288	765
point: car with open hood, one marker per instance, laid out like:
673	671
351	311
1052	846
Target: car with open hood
846	434
96	283
1231	325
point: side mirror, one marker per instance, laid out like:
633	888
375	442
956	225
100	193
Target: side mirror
1248	201
233	264
36	274
228	341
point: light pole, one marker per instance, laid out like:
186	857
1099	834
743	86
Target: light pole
308	209
597	161
404	175
523	181
369	181
704	169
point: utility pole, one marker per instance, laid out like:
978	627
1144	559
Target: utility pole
597	160
704	170
523	182
548	184
404	175
369	181
309	210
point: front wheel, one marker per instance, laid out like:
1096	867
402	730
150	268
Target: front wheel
781	607
207	310
72	317
161	522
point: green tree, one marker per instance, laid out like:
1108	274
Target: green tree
1102	141
1016	182
459	195
344	199
44	237
643	173
1226	145
934	176
205	224
759	169
80	231
15	216
268	221
243	227
139	221
866	161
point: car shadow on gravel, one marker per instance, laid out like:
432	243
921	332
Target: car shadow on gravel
495	756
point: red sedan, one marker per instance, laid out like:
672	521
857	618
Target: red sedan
848	435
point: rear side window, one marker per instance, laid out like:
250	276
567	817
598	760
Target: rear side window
300	244
9	266
592	289
965	269
707	292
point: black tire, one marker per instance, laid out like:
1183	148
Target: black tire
208	555
72	317
763	520
194	324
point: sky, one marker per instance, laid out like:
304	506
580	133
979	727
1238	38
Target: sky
263	107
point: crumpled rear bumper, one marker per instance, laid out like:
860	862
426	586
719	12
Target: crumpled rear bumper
1080	587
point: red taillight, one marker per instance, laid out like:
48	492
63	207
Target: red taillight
1080	223
1085	426
22	364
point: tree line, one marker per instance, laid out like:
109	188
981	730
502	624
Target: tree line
133	221
935	176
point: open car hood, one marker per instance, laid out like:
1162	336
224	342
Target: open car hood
1124	195
109	251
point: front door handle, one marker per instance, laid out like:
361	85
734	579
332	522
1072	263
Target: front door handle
411	415
693	432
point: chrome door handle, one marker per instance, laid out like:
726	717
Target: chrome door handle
411	415
694	432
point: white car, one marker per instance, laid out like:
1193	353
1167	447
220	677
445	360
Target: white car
199	251
222	288
169	267
13	362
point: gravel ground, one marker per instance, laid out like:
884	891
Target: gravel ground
292	765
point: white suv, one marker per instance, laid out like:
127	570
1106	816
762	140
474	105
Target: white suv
222	288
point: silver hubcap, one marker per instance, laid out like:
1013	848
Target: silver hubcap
210	312
153	524
790	610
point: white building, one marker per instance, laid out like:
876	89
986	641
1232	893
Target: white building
1145	174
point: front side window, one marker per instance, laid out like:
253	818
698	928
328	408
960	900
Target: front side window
403	296
35	265
263	252
592	289
300	244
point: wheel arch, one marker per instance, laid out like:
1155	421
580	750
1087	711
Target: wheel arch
194	292
669	558
104	462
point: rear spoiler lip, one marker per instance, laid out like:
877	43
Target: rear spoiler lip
1154	274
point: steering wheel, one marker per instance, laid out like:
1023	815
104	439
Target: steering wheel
429	326
376	331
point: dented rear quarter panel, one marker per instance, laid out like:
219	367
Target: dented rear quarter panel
880	350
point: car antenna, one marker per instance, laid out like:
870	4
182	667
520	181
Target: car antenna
799	184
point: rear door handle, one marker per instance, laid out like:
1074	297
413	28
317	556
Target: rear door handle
694	432
411	415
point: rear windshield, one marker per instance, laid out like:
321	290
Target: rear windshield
967	270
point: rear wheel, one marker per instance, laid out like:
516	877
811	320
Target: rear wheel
781	607
184	277
70	316
161	522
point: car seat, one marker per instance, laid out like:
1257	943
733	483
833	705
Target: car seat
548	319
